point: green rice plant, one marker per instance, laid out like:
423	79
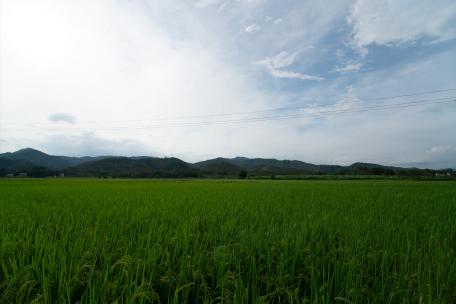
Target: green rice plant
222	241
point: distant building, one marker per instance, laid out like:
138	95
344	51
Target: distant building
445	174
22	174
62	174
10	175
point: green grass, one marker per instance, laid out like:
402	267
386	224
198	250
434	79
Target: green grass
130	241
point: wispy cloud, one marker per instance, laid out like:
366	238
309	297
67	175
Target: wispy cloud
293	75
280	60
351	67
275	64
252	28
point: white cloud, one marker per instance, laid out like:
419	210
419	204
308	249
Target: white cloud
62	117
274	21
398	22
252	28
275	64
115	62
106	62
340	54
351	67
439	150
205	3
292	75
347	101
222	7
436	157
88	144
252	2
277	21
283	59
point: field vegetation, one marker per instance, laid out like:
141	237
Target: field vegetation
219	241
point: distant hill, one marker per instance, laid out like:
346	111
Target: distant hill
38	158
370	165
133	167
37	163
271	165
14	164
263	166
218	167
74	161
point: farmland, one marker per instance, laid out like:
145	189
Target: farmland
221	241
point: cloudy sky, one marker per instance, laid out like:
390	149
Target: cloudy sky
198	79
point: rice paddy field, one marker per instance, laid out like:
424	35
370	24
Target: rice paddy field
219	241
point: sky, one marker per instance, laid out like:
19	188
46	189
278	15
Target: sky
198	79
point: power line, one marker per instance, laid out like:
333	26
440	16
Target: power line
279	117
294	116
282	109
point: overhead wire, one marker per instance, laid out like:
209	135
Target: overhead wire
324	113
282	109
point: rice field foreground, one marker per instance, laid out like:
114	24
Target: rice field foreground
137	241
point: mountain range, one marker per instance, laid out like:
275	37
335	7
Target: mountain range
37	163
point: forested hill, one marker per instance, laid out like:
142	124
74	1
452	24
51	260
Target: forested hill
134	167
39	158
32	162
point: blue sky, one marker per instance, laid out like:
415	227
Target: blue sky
134	77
